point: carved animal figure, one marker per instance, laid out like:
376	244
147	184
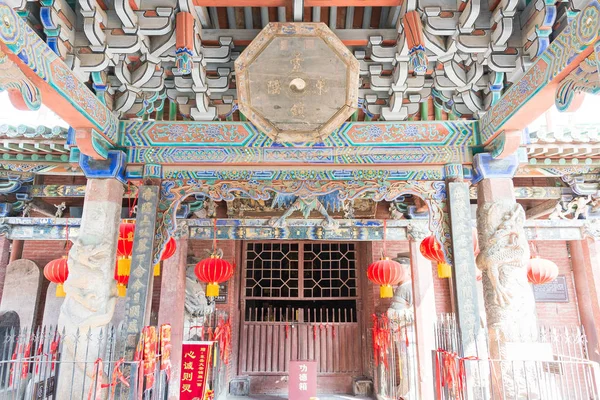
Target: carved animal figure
306	205
60	208
196	304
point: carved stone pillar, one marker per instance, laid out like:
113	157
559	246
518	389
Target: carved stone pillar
172	304
424	308
91	290
509	301
585	258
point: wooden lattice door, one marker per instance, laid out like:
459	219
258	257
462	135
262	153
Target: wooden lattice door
300	303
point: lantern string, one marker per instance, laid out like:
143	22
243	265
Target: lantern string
67	247
214	235
132	206
384	238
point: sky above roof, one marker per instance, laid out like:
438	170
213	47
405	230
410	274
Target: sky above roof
11	116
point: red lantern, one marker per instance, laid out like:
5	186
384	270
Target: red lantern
170	248
125	243
431	250
386	273
541	271
122	276
213	271
57	271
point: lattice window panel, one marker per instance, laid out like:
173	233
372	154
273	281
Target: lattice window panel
329	270
272	270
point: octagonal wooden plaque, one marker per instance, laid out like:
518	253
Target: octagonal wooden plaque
297	82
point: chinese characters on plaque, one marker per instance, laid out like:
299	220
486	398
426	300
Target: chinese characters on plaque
303	380
195	367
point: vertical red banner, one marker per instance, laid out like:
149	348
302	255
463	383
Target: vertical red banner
303	380
195	365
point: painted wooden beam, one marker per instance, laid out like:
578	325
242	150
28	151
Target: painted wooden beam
45	78
535	92
541	209
350	37
297	229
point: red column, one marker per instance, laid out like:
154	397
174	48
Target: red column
4	259
172	308
424	307
585	260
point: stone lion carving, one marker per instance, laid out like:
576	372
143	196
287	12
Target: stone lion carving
196	304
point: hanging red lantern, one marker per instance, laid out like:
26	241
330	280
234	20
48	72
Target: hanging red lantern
213	270
431	250
386	273
122	281
541	271
125	242
170	248
57	271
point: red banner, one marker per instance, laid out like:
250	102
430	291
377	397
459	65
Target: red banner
195	365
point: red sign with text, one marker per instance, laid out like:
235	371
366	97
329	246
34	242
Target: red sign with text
195	364
303	380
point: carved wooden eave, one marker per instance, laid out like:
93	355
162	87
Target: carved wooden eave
300	229
128	51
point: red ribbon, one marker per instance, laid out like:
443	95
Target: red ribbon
223	336
451	372
117	377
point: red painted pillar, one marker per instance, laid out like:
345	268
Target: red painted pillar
585	260
424	307
4	259
172	307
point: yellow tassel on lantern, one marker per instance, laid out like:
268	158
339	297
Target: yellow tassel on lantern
444	270
123	266
212	290
157	270
386	291
122	290
60	290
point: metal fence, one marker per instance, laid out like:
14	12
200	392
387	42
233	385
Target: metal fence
559	370
50	364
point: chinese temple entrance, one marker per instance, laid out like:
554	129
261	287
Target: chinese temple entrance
301	304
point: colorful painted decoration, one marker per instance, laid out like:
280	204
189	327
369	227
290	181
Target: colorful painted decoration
386	273
57	271
184	43
416	42
213	270
541	271
431	250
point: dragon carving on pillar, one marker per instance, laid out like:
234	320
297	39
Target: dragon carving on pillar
509	301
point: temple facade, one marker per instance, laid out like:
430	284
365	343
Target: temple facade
299	199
